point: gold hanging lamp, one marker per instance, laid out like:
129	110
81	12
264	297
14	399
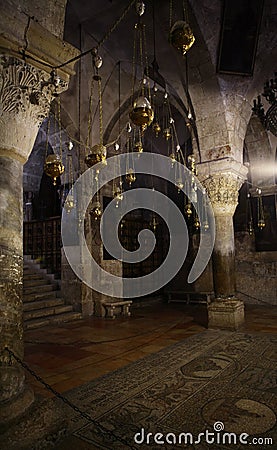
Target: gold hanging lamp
188	210
250	227
181	35
98	152
53	166
196	223
141	113
130	176
96	210
69	203
261	219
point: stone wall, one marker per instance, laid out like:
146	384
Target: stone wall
256	272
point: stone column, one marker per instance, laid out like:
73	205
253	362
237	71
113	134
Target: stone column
222	180
25	96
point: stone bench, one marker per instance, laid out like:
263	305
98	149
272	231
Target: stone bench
113	307
188	296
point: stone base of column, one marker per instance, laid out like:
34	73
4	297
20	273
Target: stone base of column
15	408
226	314
44	425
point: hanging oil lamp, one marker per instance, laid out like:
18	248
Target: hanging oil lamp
191	163
250	228
261	220
139	147
142	113
196	223
154	223
130	177
69	203
53	167
181	36
261	224
156	128
98	154
172	156
179	184
118	196
167	133
188	210
96	211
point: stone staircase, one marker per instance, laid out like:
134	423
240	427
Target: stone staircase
42	303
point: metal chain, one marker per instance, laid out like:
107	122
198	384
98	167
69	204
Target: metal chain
146	63
170	14
88	140
47	136
68	402
60	128
100	112
115	25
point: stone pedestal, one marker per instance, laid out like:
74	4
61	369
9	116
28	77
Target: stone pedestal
222	180
226	314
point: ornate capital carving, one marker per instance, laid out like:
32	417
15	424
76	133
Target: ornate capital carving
25	97
26	90
223	190
222	179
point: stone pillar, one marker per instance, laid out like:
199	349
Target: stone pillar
26	93
222	180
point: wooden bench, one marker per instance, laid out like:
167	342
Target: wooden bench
188	296
112	307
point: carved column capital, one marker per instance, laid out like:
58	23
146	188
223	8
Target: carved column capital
222	190
222	180
26	93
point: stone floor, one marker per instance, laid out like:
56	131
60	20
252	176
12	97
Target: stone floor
69	355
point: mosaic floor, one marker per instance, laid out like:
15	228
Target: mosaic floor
71	355
213	379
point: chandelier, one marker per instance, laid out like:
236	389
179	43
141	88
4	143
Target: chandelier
269	118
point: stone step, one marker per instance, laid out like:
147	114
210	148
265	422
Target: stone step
33	283
42	303
32	276
38	313
49	320
38	304
39	296
34	289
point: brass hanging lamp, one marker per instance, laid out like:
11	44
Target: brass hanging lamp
96	210
188	210
53	166
130	176
181	35
250	227
141	113
261	219
69	201
98	152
